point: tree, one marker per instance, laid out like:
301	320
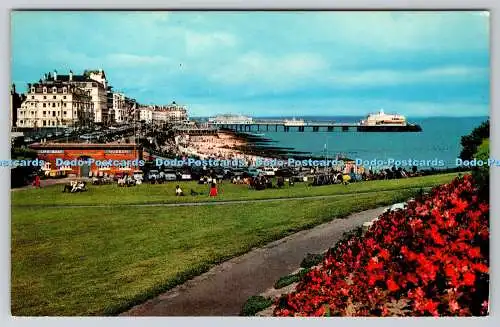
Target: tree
482	174
471	142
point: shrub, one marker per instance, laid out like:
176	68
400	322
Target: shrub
482	174
255	304
290	279
471	142
311	260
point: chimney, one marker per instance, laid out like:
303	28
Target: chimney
70	75
55	75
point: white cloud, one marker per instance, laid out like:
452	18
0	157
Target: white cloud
126	59
261	73
278	73
199	43
409	31
369	78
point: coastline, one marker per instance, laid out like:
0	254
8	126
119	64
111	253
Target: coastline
228	144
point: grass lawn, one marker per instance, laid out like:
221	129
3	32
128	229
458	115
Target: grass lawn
95	261
165	193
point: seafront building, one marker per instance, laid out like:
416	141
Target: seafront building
92	82
89	155
119	108
172	113
55	103
48	103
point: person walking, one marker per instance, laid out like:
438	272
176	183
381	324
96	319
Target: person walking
213	190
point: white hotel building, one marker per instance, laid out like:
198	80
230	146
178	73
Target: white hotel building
172	113
55	104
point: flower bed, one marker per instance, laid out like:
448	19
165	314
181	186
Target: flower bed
431	259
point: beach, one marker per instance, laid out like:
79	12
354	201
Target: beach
222	145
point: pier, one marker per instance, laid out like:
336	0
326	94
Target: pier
287	126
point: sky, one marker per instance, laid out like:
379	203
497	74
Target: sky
269	63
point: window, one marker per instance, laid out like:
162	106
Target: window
94	84
64	105
32	90
64	97
53	104
64	113
65	90
53	123
44	91
54	97
53	113
32	97
21	121
45	97
44	123
54	89
44	113
44	105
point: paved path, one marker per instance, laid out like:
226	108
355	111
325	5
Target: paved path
207	203
223	290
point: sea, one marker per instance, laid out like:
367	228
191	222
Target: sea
438	141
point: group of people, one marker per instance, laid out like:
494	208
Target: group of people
213	191
75	186
262	182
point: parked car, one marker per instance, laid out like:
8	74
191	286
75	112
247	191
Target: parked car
284	172
268	171
170	175
186	176
253	172
119	175
152	175
218	173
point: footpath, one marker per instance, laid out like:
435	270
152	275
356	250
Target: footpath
223	290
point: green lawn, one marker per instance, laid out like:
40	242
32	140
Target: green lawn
94	261
165	193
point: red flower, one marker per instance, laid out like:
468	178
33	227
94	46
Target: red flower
469	279
411	251
384	254
480	267
474	252
392	286
460	205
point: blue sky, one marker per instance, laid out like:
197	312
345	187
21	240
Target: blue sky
269	63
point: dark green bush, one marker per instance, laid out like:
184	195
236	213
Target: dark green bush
255	304
312	260
482	174
471	142
290	279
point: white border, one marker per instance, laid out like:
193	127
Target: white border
6	5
